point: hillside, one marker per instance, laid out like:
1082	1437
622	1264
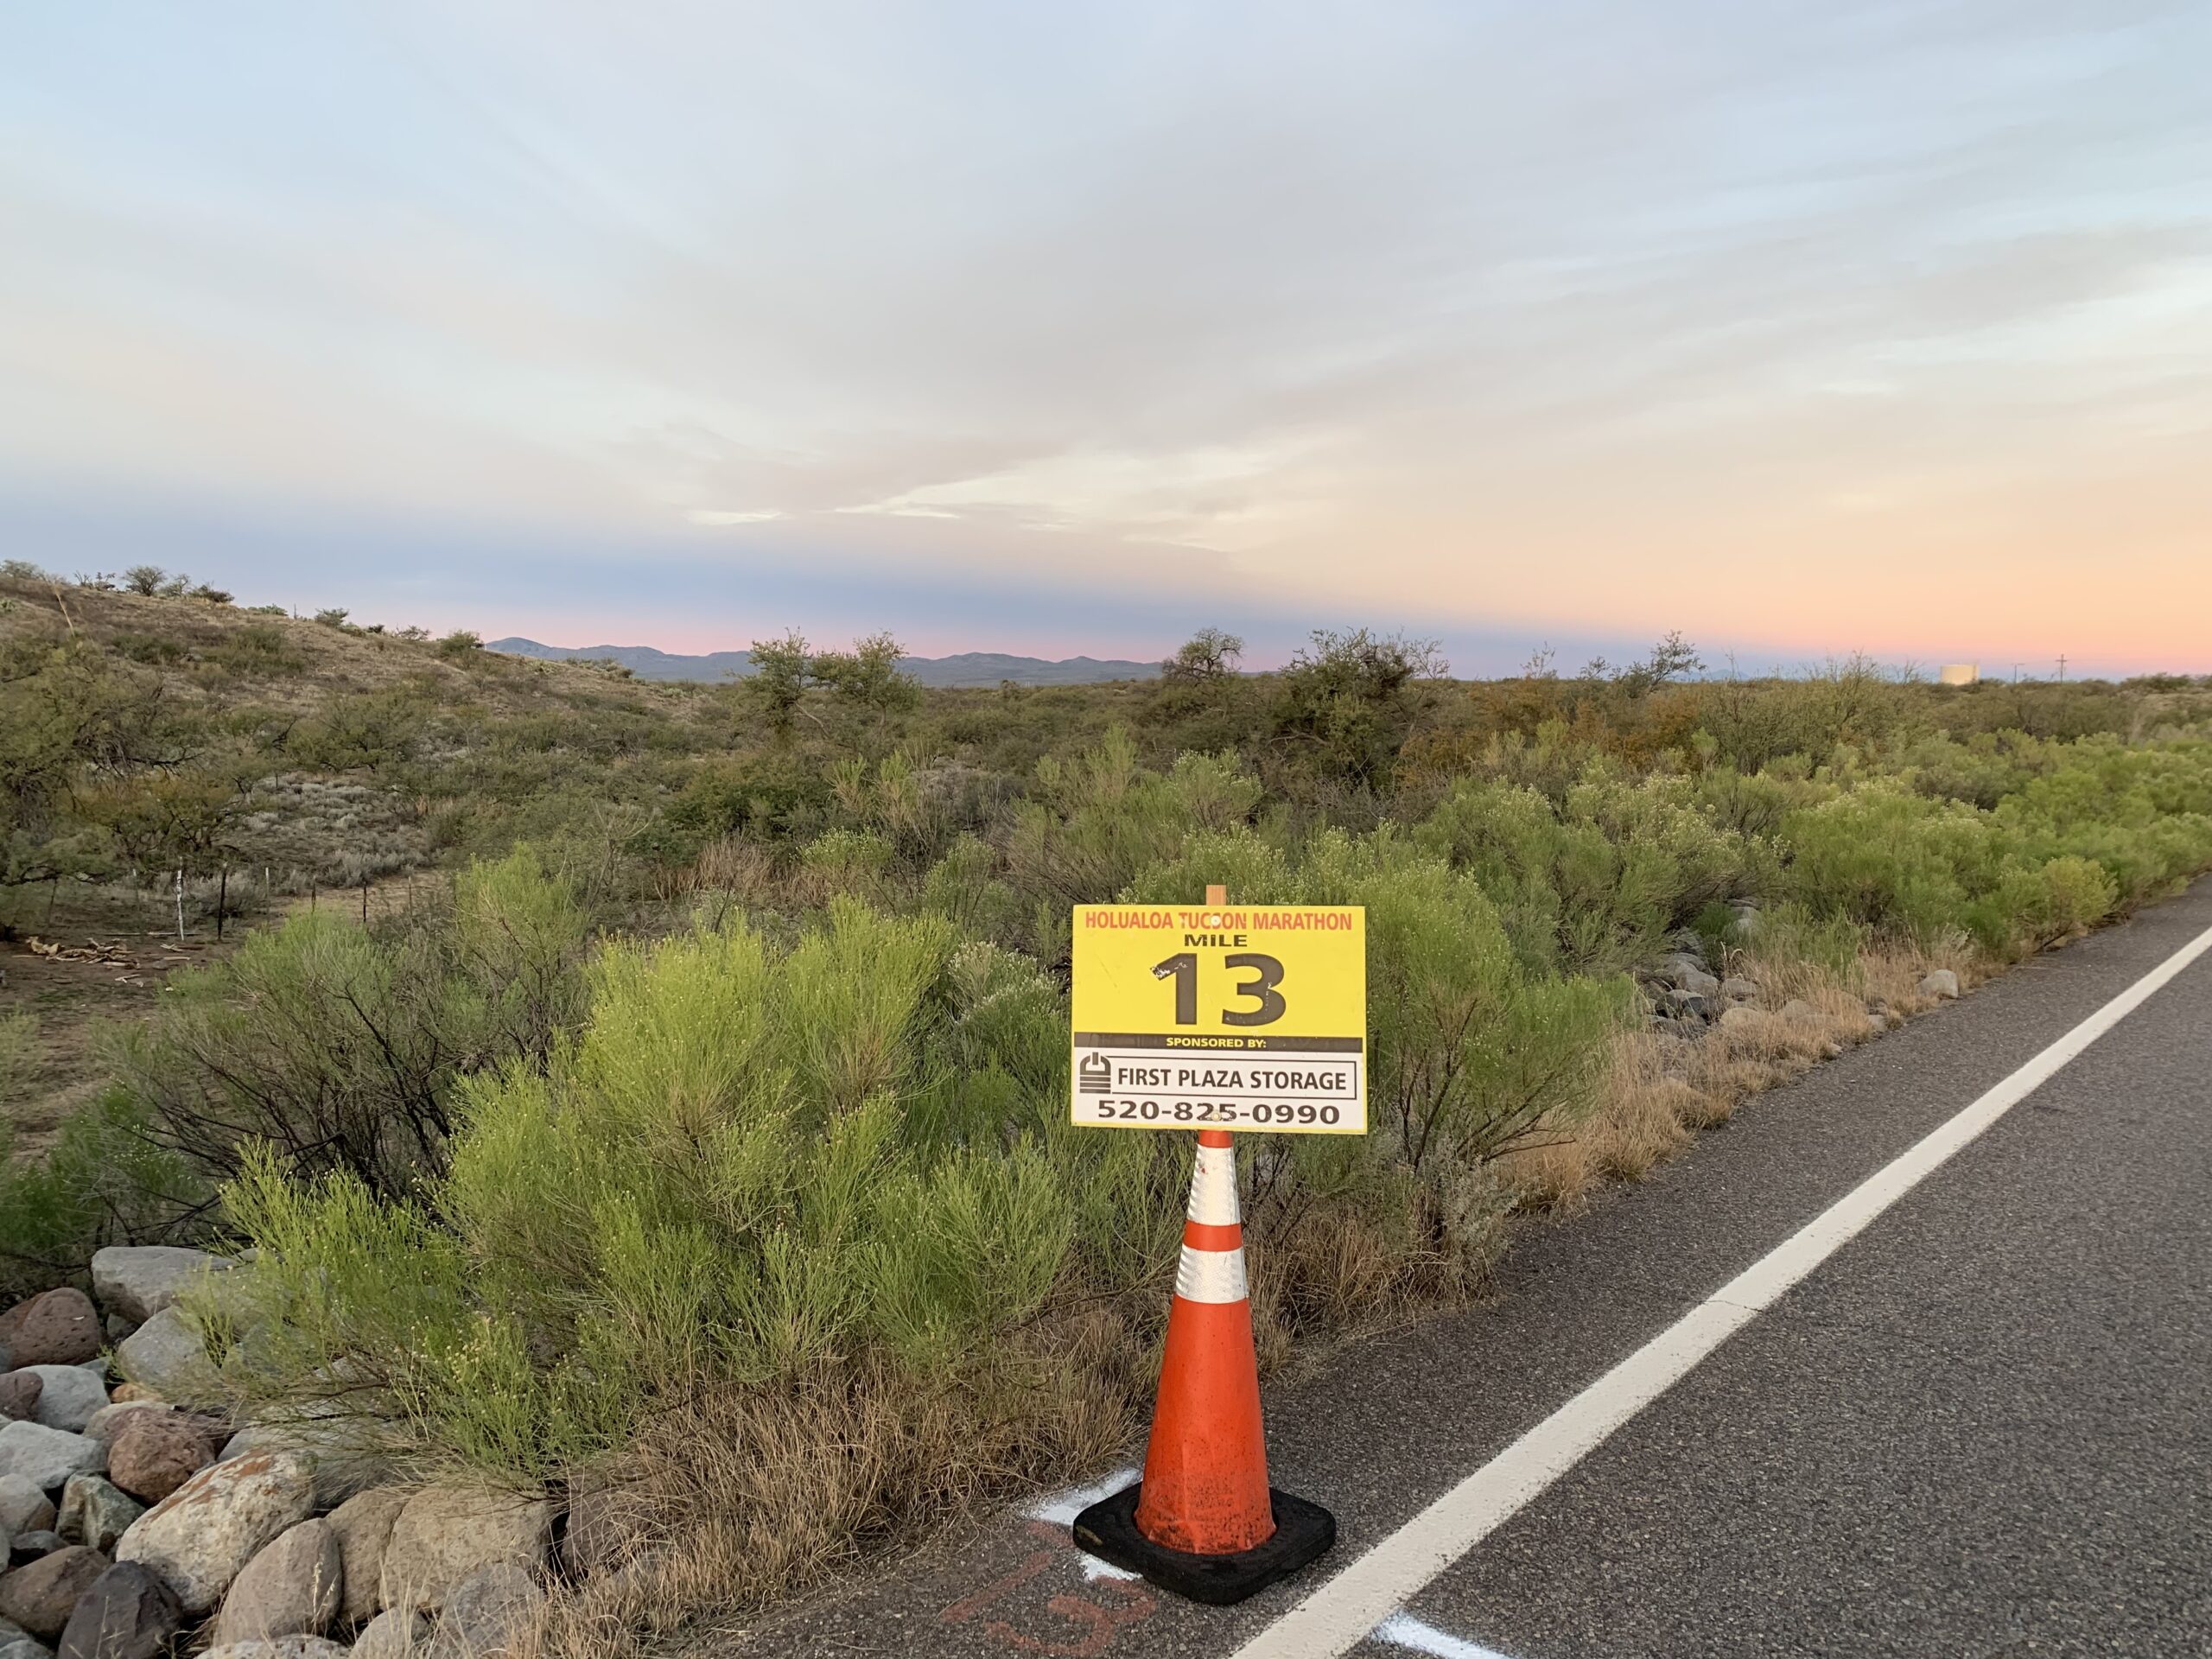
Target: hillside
969	668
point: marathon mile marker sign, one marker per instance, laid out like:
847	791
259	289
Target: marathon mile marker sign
1221	1016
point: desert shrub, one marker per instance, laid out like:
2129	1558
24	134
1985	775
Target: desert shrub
715	1180
1596	883
1347	703
338	1046
1092	823
258	650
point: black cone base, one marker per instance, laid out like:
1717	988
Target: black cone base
1107	1529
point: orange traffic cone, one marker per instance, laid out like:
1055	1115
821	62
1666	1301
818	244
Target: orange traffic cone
1204	1521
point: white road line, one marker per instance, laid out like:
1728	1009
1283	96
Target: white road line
1404	1631
1345	1608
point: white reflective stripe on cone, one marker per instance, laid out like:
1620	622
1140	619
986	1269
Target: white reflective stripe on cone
1213	1187
1210	1276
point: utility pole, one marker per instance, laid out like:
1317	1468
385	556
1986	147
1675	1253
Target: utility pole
2062	668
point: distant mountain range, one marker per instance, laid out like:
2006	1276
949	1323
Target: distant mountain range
969	668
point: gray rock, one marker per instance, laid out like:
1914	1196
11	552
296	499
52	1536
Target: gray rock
1941	983
28	1546
1740	1019
93	1512
487	1613
1687	1006
67	1397
446	1534
46	1456
1877	1025
139	1280
1739	990
341	1449
364	1524
165	1354
281	1647
394	1634
17	1643
41	1595
294	1587
128	1613
23	1506
201	1535
1697	982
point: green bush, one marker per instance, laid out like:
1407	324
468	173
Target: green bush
104	1181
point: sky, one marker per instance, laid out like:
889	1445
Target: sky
1805	328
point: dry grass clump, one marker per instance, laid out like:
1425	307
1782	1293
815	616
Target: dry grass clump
736	1496
1658	1091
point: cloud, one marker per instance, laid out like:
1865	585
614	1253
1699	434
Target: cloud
1597	312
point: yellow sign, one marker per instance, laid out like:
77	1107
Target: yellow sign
1229	1016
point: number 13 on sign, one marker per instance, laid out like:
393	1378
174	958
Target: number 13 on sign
1229	1016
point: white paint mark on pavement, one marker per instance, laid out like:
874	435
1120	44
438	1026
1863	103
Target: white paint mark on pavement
1062	1510
1404	1631
1345	1608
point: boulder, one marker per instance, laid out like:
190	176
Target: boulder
1696	982
1942	984
394	1634
138	1282
363	1524
281	1647
56	1328
127	1613
105	1423
1738	990
165	1354
67	1395
294	1587
340	1445
1687	1006
487	1613
446	1534
46	1456
1797	1008
23	1507
154	1453
1876	1025
606	1525
28	1546
93	1512
1737	1019
41	1595
19	1393
15	1642
201	1535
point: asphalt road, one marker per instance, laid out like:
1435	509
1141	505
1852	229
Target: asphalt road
1983	1426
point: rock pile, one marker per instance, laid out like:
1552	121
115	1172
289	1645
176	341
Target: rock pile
132	1523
